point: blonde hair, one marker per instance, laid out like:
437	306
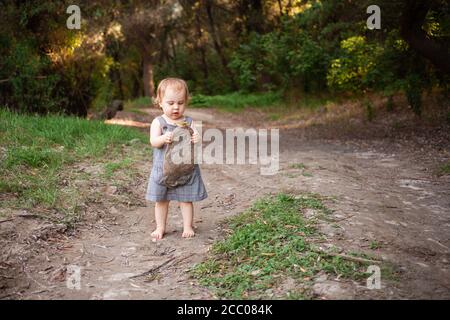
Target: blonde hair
176	83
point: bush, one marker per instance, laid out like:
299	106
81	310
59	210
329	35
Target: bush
349	71
27	86
253	62
280	58
413	91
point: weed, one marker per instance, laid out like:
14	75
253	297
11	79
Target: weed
269	241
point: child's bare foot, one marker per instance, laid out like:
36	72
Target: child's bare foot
188	233
158	234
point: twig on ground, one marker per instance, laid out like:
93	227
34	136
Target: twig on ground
108	261
346	218
179	260
131	232
105	227
154	269
40	284
100	246
346	257
29	215
39	291
137	221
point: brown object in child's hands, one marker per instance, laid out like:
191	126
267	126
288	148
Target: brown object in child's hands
181	150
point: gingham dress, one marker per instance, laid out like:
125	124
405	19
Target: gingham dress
194	190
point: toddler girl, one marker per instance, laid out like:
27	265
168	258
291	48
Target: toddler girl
172	95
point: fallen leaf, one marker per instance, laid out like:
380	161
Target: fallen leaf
267	254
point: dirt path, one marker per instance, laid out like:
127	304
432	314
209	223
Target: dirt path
383	195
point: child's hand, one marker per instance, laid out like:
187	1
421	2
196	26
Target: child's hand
168	136
195	137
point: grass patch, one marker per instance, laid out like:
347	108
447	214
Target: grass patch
137	104
313	102
137	111
274	117
37	150
374	245
267	243
235	102
302	167
112	167
142	102
445	169
297	166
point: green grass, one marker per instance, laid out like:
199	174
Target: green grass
300	166
267	243
274	103
314	102
142	102
445	169
374	245
235	102
137	111
291	175
297	166
36	151
112	167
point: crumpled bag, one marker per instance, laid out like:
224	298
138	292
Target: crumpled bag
179	172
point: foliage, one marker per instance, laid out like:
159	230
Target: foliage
236	101
25	85
218	47
349	72
444	169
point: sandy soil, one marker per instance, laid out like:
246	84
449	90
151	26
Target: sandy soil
384	190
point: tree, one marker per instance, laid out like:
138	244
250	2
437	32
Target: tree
145	25
413	17
216	40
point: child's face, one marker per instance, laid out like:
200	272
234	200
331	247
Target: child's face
173	103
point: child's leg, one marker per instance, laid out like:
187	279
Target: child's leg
187	211
161	209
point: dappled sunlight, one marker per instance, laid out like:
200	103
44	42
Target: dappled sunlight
128	122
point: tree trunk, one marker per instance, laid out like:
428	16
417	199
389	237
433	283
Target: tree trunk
201	48
413	16
253	10
149	85
163	51
121	94
217	45
116	76
280	7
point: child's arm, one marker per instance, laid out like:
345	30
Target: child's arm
157	139
195	138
